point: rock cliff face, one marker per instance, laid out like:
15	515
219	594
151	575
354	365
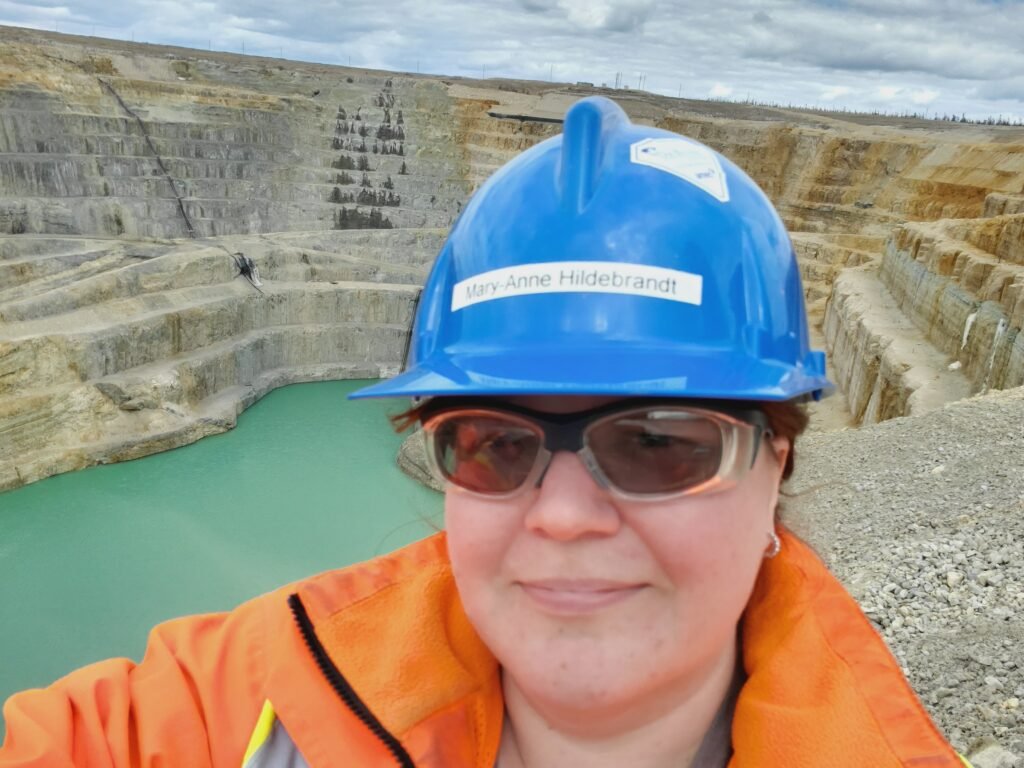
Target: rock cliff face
131	176
167	344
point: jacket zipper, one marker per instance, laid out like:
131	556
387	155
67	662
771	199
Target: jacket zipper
342	687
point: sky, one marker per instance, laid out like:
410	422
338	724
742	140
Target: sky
925	57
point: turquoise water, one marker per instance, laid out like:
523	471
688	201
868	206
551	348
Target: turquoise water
91	560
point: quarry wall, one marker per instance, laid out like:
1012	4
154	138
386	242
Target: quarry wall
131	178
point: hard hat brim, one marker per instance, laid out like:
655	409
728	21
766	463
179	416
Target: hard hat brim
627	373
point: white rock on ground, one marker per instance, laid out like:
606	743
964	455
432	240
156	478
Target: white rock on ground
994	756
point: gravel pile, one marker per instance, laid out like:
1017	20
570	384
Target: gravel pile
923	519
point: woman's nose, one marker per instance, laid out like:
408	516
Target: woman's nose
570	504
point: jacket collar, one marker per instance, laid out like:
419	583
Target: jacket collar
822	687
394	627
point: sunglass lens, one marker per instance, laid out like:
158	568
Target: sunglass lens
485	453
658	450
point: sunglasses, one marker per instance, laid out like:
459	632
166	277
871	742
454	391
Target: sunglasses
637	449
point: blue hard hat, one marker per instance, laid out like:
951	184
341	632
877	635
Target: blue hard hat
614	259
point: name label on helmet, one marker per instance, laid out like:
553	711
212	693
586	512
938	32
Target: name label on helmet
686	159
579	277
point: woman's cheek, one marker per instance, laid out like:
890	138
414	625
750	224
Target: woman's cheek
707	543
479	534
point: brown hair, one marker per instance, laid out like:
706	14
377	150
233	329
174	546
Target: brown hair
787	419
402	421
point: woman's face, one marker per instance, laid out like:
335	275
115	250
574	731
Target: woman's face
593	603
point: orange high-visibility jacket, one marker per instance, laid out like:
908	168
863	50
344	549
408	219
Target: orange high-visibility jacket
377	665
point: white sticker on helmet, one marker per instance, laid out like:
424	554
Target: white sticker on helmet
686	159
579	277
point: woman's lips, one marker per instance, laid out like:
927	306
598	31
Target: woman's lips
577	596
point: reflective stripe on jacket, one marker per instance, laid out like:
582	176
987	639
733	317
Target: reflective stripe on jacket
376	665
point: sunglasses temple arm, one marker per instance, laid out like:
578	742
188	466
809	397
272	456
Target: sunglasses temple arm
759	435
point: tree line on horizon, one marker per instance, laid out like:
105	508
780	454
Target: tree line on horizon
1000	120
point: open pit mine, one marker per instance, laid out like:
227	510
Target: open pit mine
135	180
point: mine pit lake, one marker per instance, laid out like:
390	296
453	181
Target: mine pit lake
91	560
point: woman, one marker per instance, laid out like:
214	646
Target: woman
608	359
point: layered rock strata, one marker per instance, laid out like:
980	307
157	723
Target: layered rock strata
956	289
167	343
121	334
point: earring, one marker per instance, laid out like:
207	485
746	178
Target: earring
773	547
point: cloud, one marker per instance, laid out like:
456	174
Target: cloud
923	96
609	15
628	17
538	6
720	91
967	40
1011	88
835	92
